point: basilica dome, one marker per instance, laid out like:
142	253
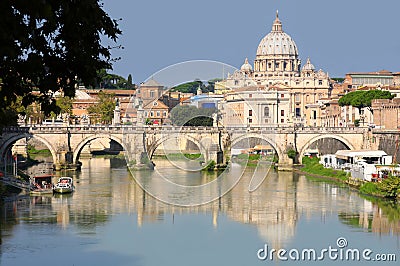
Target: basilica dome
246	67
277	42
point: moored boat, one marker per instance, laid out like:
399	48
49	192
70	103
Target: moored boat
65	184
41	184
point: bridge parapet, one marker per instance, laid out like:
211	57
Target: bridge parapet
152	129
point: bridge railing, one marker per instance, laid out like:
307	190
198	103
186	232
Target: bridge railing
154	128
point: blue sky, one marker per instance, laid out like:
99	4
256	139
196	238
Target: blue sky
339	36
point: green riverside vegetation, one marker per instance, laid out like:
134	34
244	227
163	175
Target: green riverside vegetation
312	166
388	188
32	151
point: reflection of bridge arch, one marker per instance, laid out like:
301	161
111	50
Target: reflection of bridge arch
325	136
14	138
85	141
277	149
153	146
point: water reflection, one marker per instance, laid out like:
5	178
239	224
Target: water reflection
105	189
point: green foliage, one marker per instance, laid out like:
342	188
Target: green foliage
312	166
357	122
191	87
102	111
390	187
370	188
361	99
210	166
49	46
192	156
112	81
339	80
129	82
65	105
192	116
251	157
32	151
291	154
180	156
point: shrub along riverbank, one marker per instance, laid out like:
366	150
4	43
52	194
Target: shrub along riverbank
388	188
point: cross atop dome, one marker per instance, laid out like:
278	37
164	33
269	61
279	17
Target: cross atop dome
277	26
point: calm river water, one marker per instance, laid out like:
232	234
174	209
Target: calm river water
110	220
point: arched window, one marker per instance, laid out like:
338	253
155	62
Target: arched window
266	111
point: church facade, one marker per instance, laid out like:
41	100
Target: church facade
277	68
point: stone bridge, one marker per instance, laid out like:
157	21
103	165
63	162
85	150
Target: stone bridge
140	142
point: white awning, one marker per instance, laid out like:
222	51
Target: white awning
344	154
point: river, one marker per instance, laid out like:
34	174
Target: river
110	220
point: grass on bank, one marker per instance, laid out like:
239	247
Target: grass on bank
312	166
180	156
388	188
32	151
252	160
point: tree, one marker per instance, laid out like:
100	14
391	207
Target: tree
102	111
189	87
192	116
49	46
361	99
110	81
65	105
129	82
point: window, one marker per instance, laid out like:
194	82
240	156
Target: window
151	113
314	116
282	120
320	82
282	112
158	114
236	82
282	95
298	114
297	97
151	94
250	112
145	113
250	121
250	95
165	113
266	111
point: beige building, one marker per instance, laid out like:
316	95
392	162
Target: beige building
156	112
149	91
256	106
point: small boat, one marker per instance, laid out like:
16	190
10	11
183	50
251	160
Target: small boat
41	184
65	184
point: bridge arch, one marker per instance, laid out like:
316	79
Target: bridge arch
86	140
154	145
264	137
12	139
325	136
